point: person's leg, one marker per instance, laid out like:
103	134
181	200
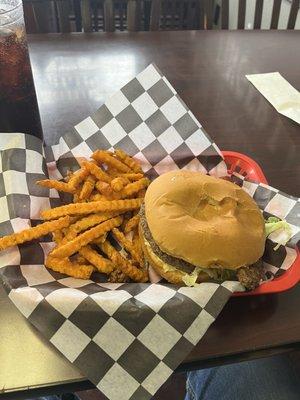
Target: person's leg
274	378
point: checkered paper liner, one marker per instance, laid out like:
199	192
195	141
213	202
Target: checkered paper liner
126	338
274	203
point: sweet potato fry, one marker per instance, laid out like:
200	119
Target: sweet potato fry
127	244
118	183
107	191
126	217
92	207
58	185
98	197
68	176
80	259
130	176
103	188
117	276
141	193
130	162
97	171
132	223
102	157
74	245
87	187
134	273
127	191
78	177
101	239
102	264
133	177
76	197
135	187
112	172
33	233
73	219
81	160
86	223
58	236
65	266
137	244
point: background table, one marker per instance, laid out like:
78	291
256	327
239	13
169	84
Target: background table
75	73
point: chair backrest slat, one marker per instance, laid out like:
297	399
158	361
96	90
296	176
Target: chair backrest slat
95	10
201	14
155	15
131	16
63	10
208	14
241	14
258	14
164	11
181	13
275	14
122	14
173	15
109	16
225	14
134	15
138	15
190	12
77	14
29	17
86	15
147	12
193	18
293	14
41	13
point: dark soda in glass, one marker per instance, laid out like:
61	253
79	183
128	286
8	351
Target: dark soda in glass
18	103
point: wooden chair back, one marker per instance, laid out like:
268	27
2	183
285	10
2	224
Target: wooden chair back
93	15
175	14
170	14
106	15
258	14
110	15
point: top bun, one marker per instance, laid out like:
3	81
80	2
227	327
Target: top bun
203	220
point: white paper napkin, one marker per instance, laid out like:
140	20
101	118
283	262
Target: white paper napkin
279	92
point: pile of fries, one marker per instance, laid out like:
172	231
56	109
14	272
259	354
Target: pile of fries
107	194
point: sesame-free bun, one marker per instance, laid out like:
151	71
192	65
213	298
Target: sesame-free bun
204	220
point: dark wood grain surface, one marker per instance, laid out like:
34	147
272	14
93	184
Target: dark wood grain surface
75	73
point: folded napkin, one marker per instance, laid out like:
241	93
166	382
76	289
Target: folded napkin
279	92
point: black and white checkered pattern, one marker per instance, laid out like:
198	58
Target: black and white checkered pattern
126	338
148	120
273	202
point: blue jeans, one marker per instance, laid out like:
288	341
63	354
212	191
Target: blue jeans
274	378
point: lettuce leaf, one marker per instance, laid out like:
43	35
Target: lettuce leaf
190	279
217	274
273	224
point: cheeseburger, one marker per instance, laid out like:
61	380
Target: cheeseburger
197	228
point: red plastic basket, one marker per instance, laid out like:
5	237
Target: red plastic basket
237	162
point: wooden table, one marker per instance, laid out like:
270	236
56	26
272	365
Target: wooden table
75	73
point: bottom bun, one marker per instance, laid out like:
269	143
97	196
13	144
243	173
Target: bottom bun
167	271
